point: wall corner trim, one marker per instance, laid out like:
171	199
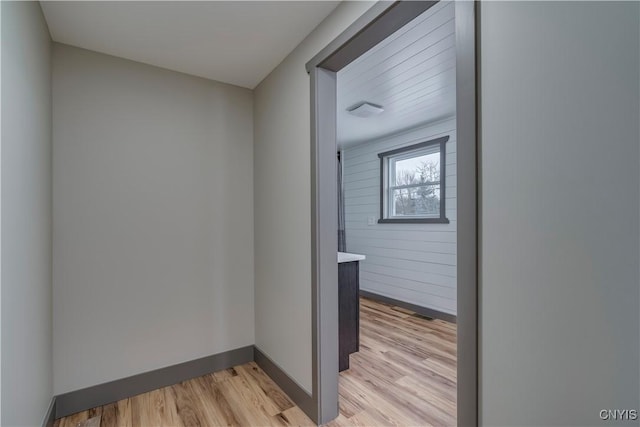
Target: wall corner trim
102	394
50	416
296	393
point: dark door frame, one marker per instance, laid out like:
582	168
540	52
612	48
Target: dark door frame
375	25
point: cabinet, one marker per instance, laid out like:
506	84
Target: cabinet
349	311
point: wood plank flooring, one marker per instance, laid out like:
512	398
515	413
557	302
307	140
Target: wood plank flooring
403	375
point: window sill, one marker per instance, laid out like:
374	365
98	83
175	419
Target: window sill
413	221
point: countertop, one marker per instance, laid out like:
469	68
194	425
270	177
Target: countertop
348	257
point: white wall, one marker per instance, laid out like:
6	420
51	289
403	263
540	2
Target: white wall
282	184
152	218
560	222
415	263
26	214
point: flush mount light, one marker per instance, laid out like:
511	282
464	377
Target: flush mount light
365	109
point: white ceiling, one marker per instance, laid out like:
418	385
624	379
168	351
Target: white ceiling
236	42
411	74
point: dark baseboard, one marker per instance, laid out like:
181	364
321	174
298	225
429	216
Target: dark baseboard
423	311
102	394
50	416
299	396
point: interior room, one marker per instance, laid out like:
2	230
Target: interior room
159	230
399	98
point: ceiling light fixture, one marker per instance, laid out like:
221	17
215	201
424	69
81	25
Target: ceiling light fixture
365	109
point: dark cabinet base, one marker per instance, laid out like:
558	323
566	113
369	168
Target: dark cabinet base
348	312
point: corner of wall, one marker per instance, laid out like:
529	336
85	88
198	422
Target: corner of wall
25	215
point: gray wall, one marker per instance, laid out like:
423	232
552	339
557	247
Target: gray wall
282	202
560	224
415	263
560	248
152	218
26	214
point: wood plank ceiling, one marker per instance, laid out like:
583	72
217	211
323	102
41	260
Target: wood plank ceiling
411	74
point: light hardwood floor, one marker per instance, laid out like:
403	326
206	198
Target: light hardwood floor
403	375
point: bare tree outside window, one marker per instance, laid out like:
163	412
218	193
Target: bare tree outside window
420	197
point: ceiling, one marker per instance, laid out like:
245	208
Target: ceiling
236	42
411	74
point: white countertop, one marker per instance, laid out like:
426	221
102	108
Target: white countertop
347	257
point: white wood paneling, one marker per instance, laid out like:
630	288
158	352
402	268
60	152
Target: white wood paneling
411	74
415	263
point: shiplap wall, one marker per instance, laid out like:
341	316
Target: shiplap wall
415	263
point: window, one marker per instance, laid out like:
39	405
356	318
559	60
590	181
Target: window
412	188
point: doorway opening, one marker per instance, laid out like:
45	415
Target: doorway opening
406	198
